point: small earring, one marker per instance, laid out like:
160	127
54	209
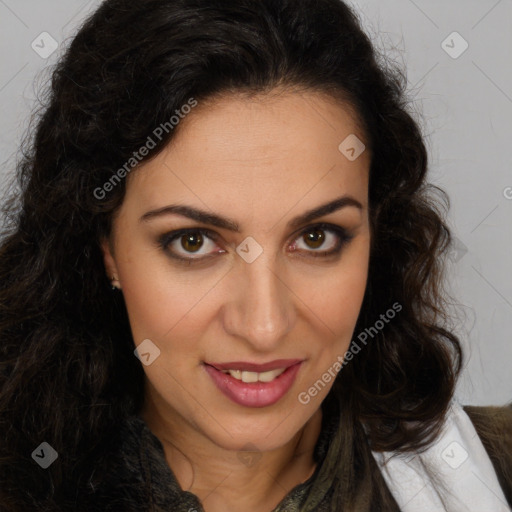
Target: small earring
114	287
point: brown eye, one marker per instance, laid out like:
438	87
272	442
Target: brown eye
314	238
322	240
192	242
183	243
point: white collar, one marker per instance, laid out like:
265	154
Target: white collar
454	474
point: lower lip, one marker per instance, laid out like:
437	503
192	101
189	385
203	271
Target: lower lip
254	394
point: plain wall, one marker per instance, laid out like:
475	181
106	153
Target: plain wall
465	103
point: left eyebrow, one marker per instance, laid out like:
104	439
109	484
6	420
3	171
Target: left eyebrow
231	225
325	209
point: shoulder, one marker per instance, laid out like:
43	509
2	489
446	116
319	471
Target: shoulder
494	427
493	424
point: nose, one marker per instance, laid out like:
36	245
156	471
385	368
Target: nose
260	311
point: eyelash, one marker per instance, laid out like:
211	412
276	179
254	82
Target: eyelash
165	240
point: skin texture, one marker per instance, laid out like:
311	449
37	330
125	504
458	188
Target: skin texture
260	161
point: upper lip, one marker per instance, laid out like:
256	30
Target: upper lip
258	368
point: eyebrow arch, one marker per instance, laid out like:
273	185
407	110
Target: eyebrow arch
231	225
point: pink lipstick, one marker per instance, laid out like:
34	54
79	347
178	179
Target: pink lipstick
254	385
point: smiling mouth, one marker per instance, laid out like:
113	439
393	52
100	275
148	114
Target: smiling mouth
254	385
252	372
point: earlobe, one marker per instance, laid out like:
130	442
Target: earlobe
110	264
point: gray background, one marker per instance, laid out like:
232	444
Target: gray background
465	104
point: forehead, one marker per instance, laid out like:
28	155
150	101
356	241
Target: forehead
283	146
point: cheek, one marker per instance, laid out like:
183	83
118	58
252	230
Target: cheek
336	304
167	309
161	298
168	303
335	298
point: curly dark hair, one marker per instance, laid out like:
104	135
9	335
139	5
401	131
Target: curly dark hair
67	370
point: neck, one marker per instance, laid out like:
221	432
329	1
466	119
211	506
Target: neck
230	480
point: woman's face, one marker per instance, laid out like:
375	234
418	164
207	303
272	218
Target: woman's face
248	284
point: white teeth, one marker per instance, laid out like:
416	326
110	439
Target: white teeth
255	377
271	375
249	377
237	374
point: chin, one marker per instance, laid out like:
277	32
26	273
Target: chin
262	434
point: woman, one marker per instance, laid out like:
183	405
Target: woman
221	288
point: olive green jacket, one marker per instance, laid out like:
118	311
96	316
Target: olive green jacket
141	480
